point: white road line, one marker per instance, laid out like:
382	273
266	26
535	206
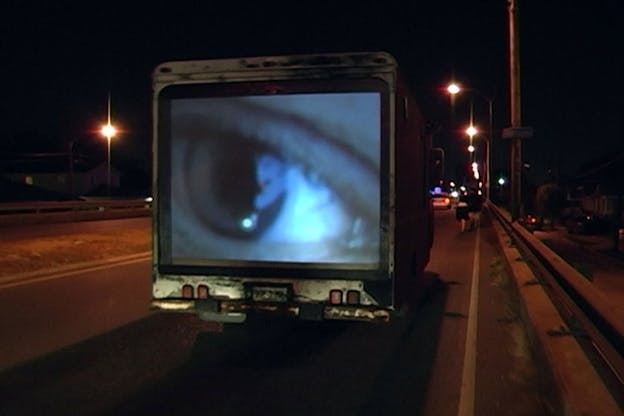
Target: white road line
71	269
467	393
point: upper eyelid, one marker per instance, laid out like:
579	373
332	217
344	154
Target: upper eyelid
314	149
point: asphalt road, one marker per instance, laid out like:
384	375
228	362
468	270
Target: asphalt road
456	351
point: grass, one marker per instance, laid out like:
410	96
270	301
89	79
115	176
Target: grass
31	255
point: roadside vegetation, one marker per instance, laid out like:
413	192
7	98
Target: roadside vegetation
32	255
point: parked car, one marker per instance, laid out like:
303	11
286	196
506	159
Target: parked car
532	222
585	224
441	200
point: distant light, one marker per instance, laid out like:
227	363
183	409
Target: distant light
471	148
475	170
471	131
454	194
501	181
108	131
453	88
452	184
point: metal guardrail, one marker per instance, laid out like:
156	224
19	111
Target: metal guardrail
57	206
593	318
19	213
611	312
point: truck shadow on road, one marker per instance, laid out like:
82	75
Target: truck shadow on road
284	367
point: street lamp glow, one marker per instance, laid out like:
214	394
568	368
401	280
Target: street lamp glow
471	149
501	181
108	131
453	88
475	170
472	131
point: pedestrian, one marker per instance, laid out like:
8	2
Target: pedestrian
461	213
474	202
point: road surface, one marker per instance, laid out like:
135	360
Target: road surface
460	352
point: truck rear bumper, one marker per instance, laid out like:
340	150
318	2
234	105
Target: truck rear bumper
236	310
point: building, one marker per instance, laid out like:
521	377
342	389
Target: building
59	176
598	187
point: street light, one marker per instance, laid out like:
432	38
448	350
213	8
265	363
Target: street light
453	88
471	131
490	137
109	132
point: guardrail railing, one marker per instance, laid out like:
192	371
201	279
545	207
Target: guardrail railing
595	319
16	213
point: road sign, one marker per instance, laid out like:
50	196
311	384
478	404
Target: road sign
518	133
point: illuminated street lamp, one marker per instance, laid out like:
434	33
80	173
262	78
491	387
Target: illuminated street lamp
475	171
453	88
471	131
109	132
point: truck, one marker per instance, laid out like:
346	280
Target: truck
293	184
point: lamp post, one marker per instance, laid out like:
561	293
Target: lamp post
454	89
109	132
471	131
490	139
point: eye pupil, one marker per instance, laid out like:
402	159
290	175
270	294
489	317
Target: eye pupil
241	187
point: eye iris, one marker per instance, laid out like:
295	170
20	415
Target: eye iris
238	187
271	177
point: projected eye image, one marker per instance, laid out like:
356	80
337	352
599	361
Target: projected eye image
281	178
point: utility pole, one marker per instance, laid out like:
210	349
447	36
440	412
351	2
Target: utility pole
70	153
516	122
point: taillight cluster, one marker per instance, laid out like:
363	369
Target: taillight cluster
337	297
188	292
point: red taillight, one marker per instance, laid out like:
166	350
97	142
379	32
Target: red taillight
335	297
447	201
187	291
353	297
202	292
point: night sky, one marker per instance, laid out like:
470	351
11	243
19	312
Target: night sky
61	59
